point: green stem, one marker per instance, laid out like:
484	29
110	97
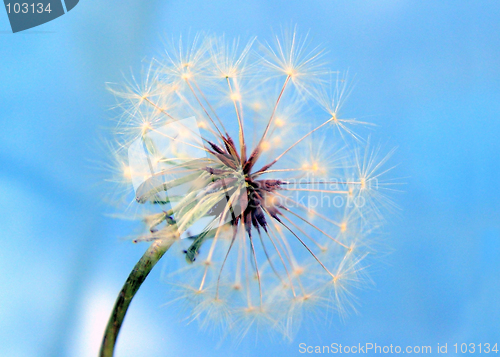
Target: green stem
130	288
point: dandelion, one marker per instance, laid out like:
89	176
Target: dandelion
239	162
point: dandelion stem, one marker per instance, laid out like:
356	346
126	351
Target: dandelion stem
129	289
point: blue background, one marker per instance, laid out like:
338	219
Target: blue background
427	72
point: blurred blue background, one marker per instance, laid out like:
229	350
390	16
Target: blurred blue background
427	73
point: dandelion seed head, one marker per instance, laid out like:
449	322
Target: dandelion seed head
260	195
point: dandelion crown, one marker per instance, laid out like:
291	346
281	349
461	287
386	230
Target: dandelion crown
241	162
